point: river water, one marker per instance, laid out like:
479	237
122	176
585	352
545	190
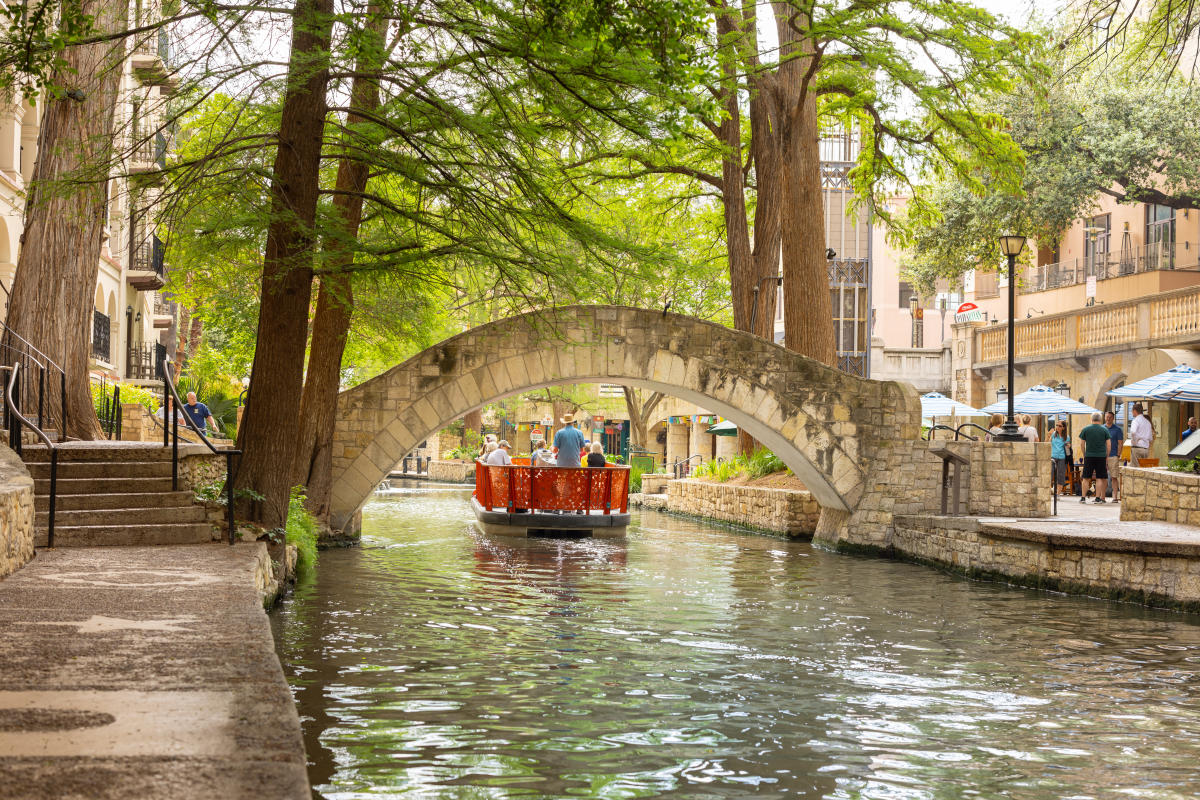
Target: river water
693	661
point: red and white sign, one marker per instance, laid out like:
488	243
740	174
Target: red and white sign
968	312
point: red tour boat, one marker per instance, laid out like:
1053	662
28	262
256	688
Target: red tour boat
523	500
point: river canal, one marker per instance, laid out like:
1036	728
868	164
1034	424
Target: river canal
692	661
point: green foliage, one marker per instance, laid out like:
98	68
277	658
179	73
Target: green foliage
214	492
1184	465
130	393
761	462
635	479
302	529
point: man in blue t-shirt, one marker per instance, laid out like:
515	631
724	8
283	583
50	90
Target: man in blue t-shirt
199	413
569	443
1115	437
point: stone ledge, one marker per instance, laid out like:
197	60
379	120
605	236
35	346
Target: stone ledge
793	512
16	513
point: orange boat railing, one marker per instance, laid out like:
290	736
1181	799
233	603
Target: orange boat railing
521	486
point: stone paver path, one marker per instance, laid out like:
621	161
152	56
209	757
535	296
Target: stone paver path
1100	527
143	672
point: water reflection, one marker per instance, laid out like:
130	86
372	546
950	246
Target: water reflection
692	661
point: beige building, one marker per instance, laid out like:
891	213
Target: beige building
1114	300
130	314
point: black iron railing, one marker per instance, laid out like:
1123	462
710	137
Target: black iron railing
40	376
683	467
13	420
141	364
171	407
110	411
101	337
148	256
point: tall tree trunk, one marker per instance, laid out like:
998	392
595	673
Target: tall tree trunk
733	196
53	290
640	414
267	434
335	302
807	310
473	421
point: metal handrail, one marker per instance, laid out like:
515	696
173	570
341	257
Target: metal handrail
14	415
969	436
33	353
165	368
677	466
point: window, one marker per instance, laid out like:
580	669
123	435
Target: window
1160	237
1096	231
906	293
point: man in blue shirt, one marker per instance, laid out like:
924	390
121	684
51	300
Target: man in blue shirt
1115	437
1190	429
199	413
569	442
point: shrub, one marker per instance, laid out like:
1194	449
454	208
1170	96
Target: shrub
302	531
761	462
635	478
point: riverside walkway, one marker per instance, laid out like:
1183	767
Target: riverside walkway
144	672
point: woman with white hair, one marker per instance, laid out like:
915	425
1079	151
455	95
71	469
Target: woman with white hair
498	454
596	457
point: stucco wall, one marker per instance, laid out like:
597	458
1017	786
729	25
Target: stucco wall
16	513
789	511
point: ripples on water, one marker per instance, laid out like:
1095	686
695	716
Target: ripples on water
693	661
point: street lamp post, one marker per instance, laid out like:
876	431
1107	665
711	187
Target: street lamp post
1011	246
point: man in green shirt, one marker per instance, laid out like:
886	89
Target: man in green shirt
1095	438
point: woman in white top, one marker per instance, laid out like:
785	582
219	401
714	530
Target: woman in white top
1027	430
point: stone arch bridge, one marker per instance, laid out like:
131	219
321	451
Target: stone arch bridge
827	426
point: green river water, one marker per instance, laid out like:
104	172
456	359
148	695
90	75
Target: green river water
694	661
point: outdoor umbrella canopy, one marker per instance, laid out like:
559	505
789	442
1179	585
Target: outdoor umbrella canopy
1187	391
1041	400
723	428
1156	386
936	404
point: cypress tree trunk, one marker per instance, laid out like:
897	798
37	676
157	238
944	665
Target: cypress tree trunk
55	283
640	414
807	310
335	303
268	433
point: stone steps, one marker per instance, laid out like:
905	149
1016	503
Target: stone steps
126	535
114	494
127	500
100	469
120	516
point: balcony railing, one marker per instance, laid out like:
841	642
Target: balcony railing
101	337
1103	266
148	257
1163	320
163	307
150	151
142	362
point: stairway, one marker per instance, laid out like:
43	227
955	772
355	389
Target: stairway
116	493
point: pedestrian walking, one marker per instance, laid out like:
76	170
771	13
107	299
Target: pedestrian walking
199	413
1095	440
1060	451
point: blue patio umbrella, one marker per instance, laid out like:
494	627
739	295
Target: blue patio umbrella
1156	386
1187	391
936	404
1041	400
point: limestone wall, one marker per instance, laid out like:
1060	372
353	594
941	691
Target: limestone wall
452	471
654	483
16	513
1156	494
1009	479
787	511
1157	573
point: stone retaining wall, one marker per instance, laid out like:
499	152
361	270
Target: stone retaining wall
1160	495
452	471
655	483
1155	573
789	511
1006	479
16	513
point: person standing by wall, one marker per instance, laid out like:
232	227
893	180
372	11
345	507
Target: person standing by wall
1060	447
199	413
1141	435
1116	437
1095	459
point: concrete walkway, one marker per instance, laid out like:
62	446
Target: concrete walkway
1100	527
143	672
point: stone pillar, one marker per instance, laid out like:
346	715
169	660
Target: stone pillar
727	447
701	442
677	443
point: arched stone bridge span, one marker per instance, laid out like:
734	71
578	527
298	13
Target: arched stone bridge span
824	424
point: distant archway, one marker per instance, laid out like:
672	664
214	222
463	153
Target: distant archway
824	424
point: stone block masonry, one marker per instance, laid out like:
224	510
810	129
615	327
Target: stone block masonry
1158	494
452	471
16	513
788	511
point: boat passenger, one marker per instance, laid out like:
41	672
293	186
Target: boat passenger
539	455
498	456
596	457
568	442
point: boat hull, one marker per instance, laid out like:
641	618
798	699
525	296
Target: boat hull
541	523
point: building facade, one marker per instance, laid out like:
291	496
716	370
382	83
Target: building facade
131	314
